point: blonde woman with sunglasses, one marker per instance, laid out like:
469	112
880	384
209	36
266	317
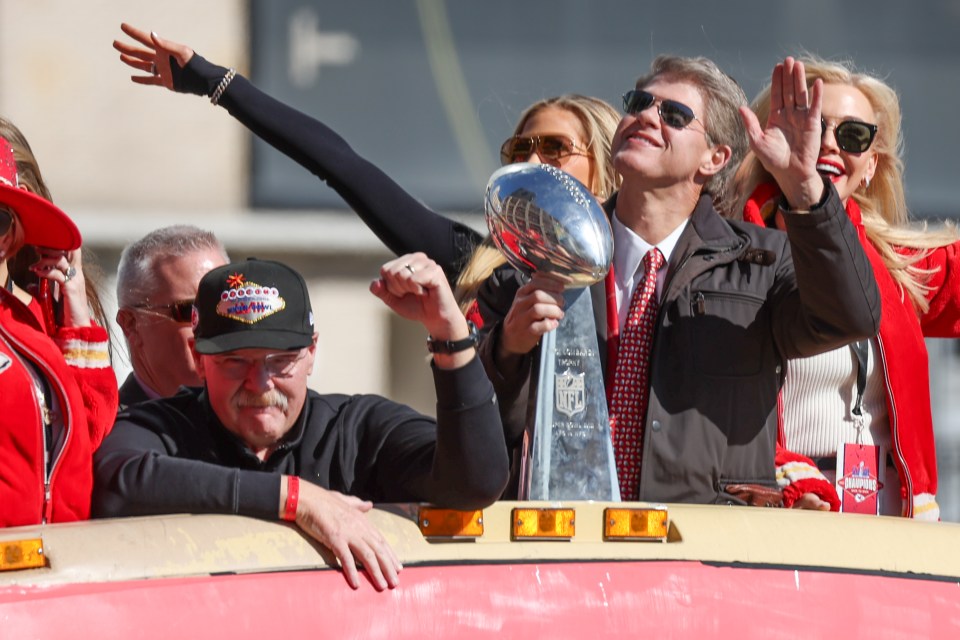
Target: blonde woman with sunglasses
875	393
570	132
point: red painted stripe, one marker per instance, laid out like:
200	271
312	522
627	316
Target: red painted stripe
664	599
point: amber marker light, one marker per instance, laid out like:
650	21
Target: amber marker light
450	523
549	524
22	554
635	524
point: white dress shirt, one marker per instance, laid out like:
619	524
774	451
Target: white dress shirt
628	252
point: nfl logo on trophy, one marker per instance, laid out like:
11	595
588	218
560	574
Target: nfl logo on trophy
571	393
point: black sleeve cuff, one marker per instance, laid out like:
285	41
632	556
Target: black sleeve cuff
827	188
199	77
828	207
258	494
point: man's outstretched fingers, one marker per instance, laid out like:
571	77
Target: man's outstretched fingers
344	555
372	565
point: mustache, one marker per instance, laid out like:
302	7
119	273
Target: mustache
272	398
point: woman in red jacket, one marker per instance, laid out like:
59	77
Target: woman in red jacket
58	394
875	393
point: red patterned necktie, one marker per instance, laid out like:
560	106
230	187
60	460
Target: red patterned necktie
631	388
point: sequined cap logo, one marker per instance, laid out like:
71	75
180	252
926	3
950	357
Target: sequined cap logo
248	302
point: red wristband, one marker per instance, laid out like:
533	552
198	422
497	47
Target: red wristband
293	497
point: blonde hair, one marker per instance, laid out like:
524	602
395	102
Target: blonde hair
483	261
599	121
886	219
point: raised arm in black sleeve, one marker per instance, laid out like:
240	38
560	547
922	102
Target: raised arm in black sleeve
401	222
461	461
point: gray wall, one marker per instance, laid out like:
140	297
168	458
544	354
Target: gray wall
429	90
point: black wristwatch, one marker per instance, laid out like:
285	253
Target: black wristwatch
455	346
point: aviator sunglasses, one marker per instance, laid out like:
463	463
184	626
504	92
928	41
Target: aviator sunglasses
548	147
180	311
675	115
852	136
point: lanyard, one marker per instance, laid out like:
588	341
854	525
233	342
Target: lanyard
862	351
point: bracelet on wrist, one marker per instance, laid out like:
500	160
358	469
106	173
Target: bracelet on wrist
224	83
293	498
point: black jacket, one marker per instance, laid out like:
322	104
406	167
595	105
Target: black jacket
738	301
131	392
173	455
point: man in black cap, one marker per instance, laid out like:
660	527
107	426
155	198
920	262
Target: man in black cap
255	441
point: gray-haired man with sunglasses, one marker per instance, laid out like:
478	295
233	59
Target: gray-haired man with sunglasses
156	283
694	345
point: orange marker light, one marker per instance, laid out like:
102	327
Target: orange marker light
551	524
635	524
22	554
450	523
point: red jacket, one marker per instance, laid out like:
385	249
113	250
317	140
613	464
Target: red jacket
77	367
903	355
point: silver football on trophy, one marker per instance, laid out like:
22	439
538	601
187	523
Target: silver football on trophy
543	219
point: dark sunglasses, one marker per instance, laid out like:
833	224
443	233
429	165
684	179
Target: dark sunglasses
852	136
549	147
674	114
6	220
181	311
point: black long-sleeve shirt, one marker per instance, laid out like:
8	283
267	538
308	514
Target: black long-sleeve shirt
173	455
401	222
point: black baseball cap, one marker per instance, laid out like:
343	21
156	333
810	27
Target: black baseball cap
254	304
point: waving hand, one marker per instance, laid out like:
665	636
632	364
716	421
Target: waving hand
152	57
789	144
